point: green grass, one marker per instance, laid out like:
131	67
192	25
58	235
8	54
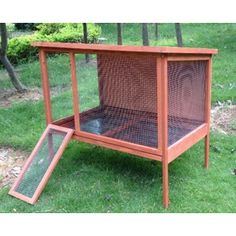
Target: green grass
93	179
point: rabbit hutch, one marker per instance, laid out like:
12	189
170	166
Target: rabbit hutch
153	102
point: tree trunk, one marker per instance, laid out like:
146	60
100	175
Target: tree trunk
6	63
178	34
145	34
156	31
119	33
85	30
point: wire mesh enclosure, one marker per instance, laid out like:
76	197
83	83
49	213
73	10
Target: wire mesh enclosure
127	105
127	108
153	102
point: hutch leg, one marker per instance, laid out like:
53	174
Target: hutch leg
164	128
208	111
165	183
162	94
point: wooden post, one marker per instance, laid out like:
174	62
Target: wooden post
163	123
45	85
74	91
208	111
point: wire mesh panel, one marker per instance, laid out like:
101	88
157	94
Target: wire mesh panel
45	156
186	101
127	99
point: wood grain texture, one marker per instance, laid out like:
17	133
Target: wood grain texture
81	47
163	96
117	147
208	111
44	180
45	85
186	142
75	92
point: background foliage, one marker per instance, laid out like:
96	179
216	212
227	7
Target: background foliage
20	49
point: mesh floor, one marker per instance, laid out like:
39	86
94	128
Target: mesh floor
131	126
40	163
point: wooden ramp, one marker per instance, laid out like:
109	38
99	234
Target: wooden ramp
41	163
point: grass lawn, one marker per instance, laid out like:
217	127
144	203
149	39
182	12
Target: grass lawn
93	179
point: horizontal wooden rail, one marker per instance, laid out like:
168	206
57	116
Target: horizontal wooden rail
117	147
186	142
188	57
118	142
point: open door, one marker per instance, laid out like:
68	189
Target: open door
41	163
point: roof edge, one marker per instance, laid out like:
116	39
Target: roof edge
122	48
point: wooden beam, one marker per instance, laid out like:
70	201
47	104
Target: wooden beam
74	91
208	110
186	142
163	96
91	48
45	85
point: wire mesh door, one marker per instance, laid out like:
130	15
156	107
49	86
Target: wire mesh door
41	163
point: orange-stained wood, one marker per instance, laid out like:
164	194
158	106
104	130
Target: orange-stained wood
81	47
117	147
43	182
53	163
159	103
162	153
63	120
95	139
118	142
186	142
45	85
21	197
164	128
188	58
208	111
29	161
74	91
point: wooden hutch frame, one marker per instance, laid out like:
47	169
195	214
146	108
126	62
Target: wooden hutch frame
164	153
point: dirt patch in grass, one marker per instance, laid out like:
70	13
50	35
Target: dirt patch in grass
223	119
9	96
11	162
